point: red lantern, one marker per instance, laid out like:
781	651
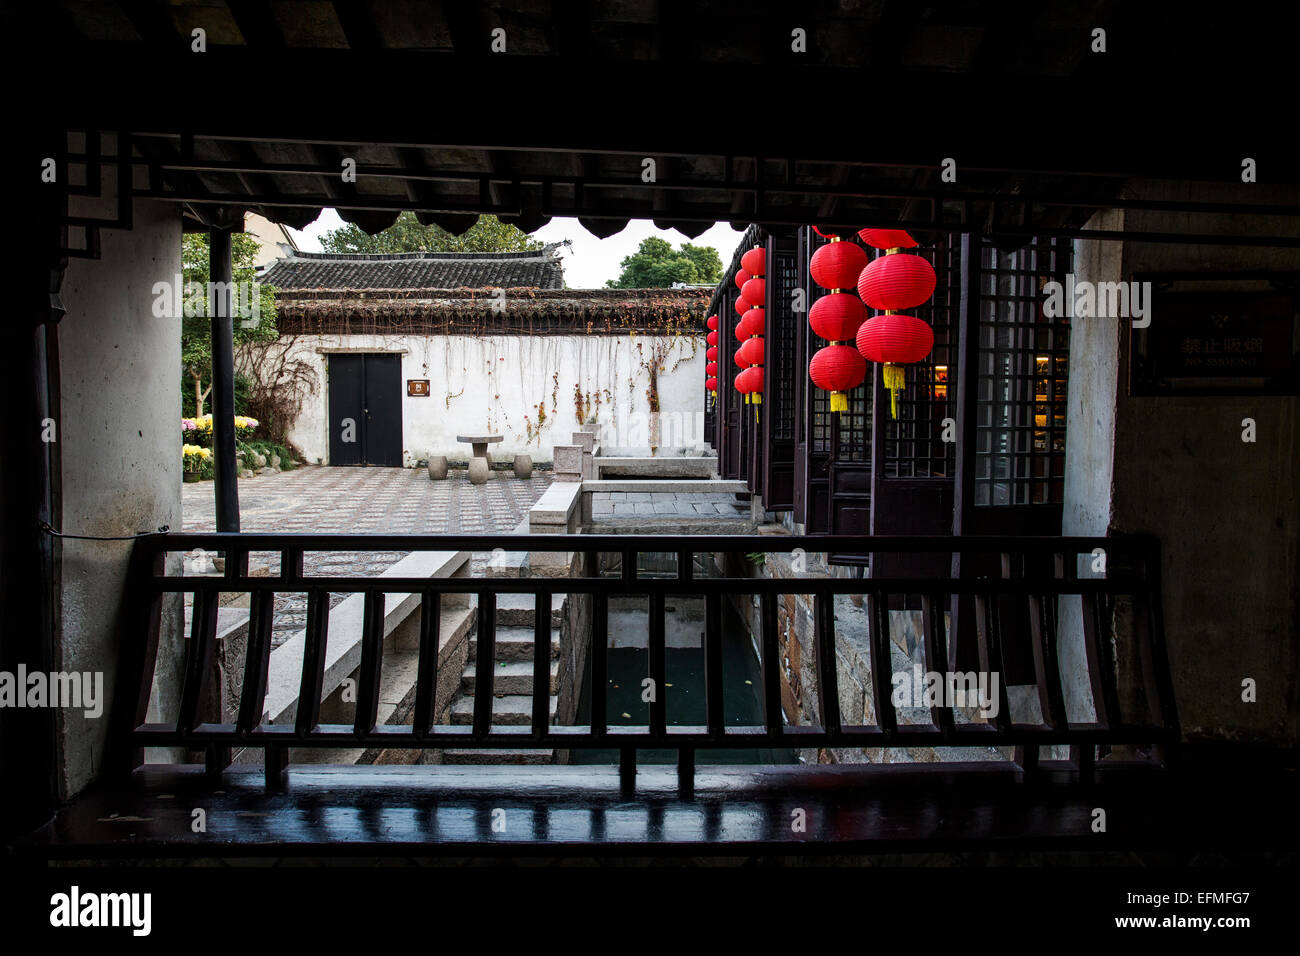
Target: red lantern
742	305
894	340
751	352
712	337
711	354
898	281
838	316
712	322
755	261
837	369
755	291
711	369
712	385
837	265
887	238
753	322
750	383
741	278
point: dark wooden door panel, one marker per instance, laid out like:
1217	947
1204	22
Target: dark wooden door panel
346	409
383	410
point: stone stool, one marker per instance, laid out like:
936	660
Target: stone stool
523	466
437	467
479	470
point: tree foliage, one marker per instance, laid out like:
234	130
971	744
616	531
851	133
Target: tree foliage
196	329
489	234
656	265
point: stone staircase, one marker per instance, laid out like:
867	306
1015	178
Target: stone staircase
512	679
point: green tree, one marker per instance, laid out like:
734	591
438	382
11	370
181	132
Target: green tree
196	329
656	265
489	234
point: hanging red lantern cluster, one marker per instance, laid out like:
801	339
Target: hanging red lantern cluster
836	317
749	331
711	357
893	282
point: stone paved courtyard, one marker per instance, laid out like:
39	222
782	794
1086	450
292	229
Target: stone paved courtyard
363	501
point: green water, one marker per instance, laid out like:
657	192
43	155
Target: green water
684	697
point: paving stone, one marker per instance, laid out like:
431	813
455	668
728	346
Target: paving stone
357	500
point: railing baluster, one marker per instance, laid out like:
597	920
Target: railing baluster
685	565
714	703
1101	672
1156	678
882	666
685	771
313	662
137	659
629	565
291	565
372	662
257	659
236	564
828	683
988	632
1047	676
934	635
198	657
541	663
599	662
658	667
426	681
771	664
627	770
483	662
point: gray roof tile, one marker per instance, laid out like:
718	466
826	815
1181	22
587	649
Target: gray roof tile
418	270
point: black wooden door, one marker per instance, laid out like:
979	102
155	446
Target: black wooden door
365	409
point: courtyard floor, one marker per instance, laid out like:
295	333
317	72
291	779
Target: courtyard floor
314	498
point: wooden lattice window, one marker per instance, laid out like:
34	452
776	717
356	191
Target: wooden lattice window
913	444
1021	391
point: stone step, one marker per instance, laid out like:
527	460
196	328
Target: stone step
515	644
511	677
498	756
517	610
511	709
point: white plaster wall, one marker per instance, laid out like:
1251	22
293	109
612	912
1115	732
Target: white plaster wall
494	384
1226	512
119	444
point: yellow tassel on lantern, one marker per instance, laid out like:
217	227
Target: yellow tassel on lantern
895	380
839	402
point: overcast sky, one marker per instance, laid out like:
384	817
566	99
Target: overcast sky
589	261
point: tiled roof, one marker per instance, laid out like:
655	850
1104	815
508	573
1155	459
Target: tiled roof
418	270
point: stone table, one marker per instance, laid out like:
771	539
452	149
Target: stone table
479	464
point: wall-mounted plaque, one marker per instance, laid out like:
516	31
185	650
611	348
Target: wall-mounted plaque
1204	340
417	387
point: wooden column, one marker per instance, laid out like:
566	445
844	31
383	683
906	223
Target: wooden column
223	381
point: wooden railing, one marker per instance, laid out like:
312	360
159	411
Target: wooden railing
1035	571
